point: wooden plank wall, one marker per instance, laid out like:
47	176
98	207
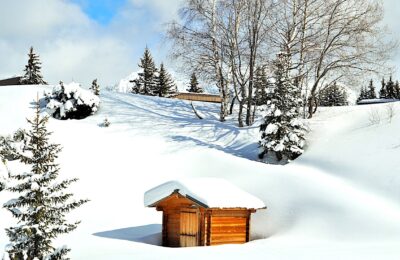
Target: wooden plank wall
228	227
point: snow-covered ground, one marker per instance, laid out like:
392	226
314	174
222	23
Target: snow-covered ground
340	200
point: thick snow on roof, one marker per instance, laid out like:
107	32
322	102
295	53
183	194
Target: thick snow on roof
212	192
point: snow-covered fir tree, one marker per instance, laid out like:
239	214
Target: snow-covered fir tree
261	86
362	95
282	132
95	88
32	70
165	86
383	92
146	82
194	85
41	201
333	95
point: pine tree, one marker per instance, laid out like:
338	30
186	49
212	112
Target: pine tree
397	89
194	85
371	90
261	85
145	83
32	70
333	95
362	95
282	132
42	203
95	88
390	89
383	92
165	86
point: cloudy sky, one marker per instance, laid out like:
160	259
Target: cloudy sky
85	39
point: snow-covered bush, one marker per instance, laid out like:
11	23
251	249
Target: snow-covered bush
106	123
10	146
70	101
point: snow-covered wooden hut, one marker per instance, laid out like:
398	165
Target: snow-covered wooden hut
203	212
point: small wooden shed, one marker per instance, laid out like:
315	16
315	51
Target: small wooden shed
203	212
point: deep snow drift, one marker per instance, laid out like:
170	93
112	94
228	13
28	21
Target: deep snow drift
340	200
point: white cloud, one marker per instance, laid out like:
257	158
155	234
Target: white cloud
72	46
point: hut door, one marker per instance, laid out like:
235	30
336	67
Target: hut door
189	227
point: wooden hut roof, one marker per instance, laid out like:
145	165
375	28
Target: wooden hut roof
208	192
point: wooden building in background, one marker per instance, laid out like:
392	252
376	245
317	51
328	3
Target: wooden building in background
203	212
10	81
198	97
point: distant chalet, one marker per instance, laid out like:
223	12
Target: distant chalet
10	81
203	212
198	97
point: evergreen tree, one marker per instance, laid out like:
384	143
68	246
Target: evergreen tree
32	70
397	89
165	86
145	83
362	95
383	92
194	85
95	88
333	95
282	132
42	203
261	86
390	89
371	90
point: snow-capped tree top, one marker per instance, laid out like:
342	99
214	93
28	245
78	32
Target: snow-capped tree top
212	192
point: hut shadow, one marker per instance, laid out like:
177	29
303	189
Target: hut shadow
147	234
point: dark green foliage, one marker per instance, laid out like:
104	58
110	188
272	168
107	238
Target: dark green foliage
42	201
333	95
383	92
165	86
261	86
282	132
194	85
146	82
95	88
32	70
390	89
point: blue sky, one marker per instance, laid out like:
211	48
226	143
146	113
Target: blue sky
102	11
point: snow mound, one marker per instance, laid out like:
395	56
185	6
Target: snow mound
212	192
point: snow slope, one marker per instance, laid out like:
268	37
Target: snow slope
340	200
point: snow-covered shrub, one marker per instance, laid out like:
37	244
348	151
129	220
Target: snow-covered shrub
390	112
70	101
10	146
374	116
106	123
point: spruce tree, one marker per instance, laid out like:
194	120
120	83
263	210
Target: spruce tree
261	85
145	83
95	88
32	70
390	89
371	90
383	92
333	95
397	89
282	132
165	86
194	85
42	201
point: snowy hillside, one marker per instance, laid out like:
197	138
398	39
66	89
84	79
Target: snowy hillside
340	200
